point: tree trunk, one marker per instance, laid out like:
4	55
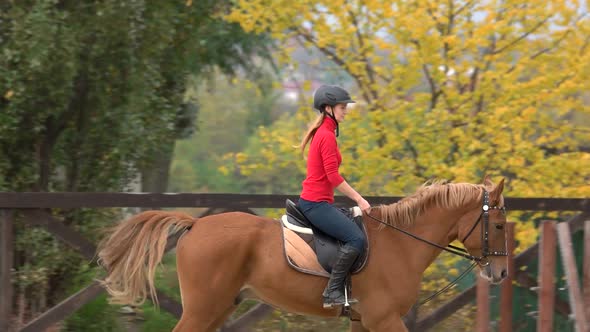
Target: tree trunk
155	178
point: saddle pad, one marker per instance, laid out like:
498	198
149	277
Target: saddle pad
300	255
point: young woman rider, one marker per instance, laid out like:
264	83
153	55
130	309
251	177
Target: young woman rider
317	195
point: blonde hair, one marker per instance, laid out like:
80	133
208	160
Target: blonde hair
313	127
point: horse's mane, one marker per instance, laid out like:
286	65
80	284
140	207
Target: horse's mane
434	194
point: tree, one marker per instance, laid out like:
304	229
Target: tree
92	93
231	109
449	90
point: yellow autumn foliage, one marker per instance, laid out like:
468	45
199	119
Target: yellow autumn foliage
453	90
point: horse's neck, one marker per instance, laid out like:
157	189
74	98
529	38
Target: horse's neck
435	225
438	226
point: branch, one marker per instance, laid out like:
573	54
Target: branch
543	51
331	54
447	102
526	34
583	48
324	50
479	106
563	80
548	49
447	48
434	90
364	58
439	25
473	79
557	151
451	17
488	64
555	44
467	4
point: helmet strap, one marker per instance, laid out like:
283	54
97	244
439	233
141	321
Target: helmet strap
331	114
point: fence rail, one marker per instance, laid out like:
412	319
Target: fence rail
240	201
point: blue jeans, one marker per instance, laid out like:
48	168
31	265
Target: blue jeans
331	221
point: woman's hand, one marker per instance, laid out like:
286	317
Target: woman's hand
347	190
363	204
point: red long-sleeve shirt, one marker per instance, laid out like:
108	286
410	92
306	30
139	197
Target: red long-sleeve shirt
323	160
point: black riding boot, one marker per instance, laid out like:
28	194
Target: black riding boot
334	292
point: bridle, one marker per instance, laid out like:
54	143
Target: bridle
485	216
482	260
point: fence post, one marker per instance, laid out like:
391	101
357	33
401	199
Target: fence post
547	263
6	256
506	289
586	275
569	264
483	304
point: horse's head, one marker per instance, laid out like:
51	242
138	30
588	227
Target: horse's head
483	232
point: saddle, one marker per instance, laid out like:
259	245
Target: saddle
312	251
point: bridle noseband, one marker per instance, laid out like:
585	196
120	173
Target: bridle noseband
485	215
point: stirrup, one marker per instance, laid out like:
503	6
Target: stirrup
347	301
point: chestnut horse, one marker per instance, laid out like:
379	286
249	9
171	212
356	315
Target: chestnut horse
224	258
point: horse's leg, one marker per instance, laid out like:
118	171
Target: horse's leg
356	326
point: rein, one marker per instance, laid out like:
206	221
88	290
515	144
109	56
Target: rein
450	248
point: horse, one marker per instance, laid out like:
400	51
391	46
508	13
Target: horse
224	258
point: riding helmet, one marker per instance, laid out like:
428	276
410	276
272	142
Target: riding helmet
331	95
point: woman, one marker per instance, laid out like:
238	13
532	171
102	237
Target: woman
317	195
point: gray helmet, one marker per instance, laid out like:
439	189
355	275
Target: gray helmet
331	95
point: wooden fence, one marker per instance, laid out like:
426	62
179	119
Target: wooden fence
33	207
553	235
522	277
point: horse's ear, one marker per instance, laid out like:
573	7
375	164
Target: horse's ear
498	189
487	182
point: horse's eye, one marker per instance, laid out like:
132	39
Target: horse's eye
500	226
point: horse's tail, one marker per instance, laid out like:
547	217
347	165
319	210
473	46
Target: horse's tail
133	250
